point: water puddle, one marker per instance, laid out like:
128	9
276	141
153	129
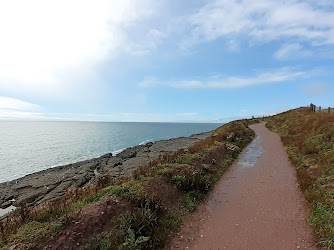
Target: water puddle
7	210
252	154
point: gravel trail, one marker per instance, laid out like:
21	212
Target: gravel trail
256	205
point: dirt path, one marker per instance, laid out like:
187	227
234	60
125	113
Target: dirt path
257	205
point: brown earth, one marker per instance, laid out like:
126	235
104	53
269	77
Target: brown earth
94	219
257	205
163	189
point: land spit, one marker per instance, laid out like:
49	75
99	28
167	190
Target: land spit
54	182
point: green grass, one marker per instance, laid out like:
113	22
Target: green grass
99	242
138	228
170	222
322	218
196	181
192	200
32	231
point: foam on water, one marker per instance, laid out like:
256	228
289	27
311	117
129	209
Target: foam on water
144	142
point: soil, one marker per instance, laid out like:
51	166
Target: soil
256	205
92	220
164	190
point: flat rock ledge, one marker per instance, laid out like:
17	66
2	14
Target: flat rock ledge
54	182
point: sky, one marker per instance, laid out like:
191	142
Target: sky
163	60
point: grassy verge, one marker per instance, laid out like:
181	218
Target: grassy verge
309	140
138	212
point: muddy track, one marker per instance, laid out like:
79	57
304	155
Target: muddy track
257	205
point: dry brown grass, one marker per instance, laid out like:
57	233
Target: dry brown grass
309	141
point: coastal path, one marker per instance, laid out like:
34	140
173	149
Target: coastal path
256	205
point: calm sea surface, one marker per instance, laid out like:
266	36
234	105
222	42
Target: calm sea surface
27	147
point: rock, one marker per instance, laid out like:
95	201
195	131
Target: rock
230	137
232	147
315	171
6	204
127	153
327	186
310	159
117	164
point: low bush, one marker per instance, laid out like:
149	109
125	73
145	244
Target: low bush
196	181
139	228
192	200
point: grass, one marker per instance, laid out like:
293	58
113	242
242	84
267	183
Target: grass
192	200
322	217
147	224
99	242
139	228
309	140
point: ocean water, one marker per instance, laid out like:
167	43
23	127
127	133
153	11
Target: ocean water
27	147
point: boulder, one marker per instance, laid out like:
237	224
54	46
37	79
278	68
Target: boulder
232	147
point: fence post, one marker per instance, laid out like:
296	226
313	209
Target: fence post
329	110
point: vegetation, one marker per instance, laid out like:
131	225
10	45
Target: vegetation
132	212
309	140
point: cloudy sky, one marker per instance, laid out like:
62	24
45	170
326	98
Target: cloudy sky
163	60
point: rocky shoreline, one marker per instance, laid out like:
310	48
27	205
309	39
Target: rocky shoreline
54	182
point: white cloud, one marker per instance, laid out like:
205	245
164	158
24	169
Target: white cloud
45	45
292	52
19	110
263	21
281	75
16	104
11	108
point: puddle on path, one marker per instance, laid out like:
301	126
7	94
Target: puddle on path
252	154
4	211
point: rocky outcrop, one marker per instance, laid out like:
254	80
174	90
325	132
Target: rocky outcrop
55	182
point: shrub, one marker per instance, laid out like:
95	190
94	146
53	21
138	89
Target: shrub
192	200
196	181
138	228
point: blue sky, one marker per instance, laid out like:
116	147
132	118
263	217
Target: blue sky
163	60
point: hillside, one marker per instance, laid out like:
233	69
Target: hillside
139	211
309	140
145	209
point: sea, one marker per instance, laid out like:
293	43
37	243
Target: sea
28	147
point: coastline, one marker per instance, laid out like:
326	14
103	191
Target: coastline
54	182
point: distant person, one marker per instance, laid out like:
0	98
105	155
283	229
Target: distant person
252	116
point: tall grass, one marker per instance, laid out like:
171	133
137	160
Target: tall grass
309	140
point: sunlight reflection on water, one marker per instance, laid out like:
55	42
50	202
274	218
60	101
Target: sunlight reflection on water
253	153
